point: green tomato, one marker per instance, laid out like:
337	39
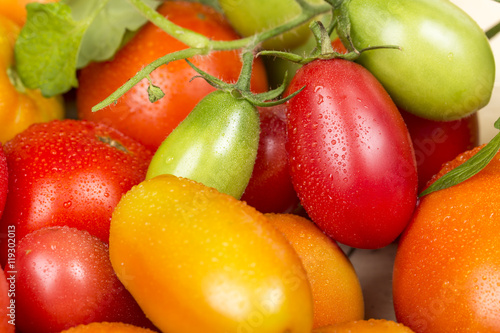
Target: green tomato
249	17
215	145
445	69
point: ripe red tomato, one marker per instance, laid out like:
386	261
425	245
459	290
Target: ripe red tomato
134	115
351	158
437	142
7	304
64	279
69	173
4	179
270	189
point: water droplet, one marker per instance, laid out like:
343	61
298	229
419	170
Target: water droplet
67	204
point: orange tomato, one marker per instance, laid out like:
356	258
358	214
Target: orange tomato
199	260
106	327
134	115
447	267
15	10
21	107
366	326
336	291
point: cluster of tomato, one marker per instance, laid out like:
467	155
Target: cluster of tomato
196	246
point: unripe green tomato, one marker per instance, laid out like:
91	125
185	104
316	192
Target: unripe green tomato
445	68
215	145
253	16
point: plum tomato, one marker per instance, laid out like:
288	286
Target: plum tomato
444	69
215	145
64	279
351	157
4	179
437	142
446	274
270	189
133	114
69	172
197	259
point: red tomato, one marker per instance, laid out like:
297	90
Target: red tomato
134	115
351	158
7	304
270	189
64	279
69	173
437	142
4	179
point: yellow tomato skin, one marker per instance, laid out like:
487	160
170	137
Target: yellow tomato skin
20	107
15	10
199	260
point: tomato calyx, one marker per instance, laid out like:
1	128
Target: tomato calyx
241	89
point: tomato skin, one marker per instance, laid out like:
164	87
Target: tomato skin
445	69
65	173
437	142
350	153
21	107
4	180
270	189
202	259
65	279
134	115
447	267
7	305
215	145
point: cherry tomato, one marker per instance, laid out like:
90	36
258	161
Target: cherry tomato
251	17
445	69
447	267
21	107
71	173
437	142
195	258
134	115
215	145
7	303
351	157
270	189
65	279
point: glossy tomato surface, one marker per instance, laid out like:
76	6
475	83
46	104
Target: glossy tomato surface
351	157
4	179
69	173
444	69
447	268
134	115
65	279
196	258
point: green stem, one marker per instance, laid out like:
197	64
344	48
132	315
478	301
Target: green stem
188	37
246	72
491	32
144	73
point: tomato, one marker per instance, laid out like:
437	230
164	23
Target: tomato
69	173
447	267
437	142
134	115
351	157
21	107
445	69
4	179
195	258
106	327
270	189
215	145
64	278
7	303
15	10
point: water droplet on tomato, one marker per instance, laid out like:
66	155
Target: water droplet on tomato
67	204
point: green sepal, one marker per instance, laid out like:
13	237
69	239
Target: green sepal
468	169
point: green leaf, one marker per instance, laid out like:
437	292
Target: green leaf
468	169
104	36
58	38
47	48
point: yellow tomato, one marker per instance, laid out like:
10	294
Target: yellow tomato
366	326
15	10
197	260
19	107
336	291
